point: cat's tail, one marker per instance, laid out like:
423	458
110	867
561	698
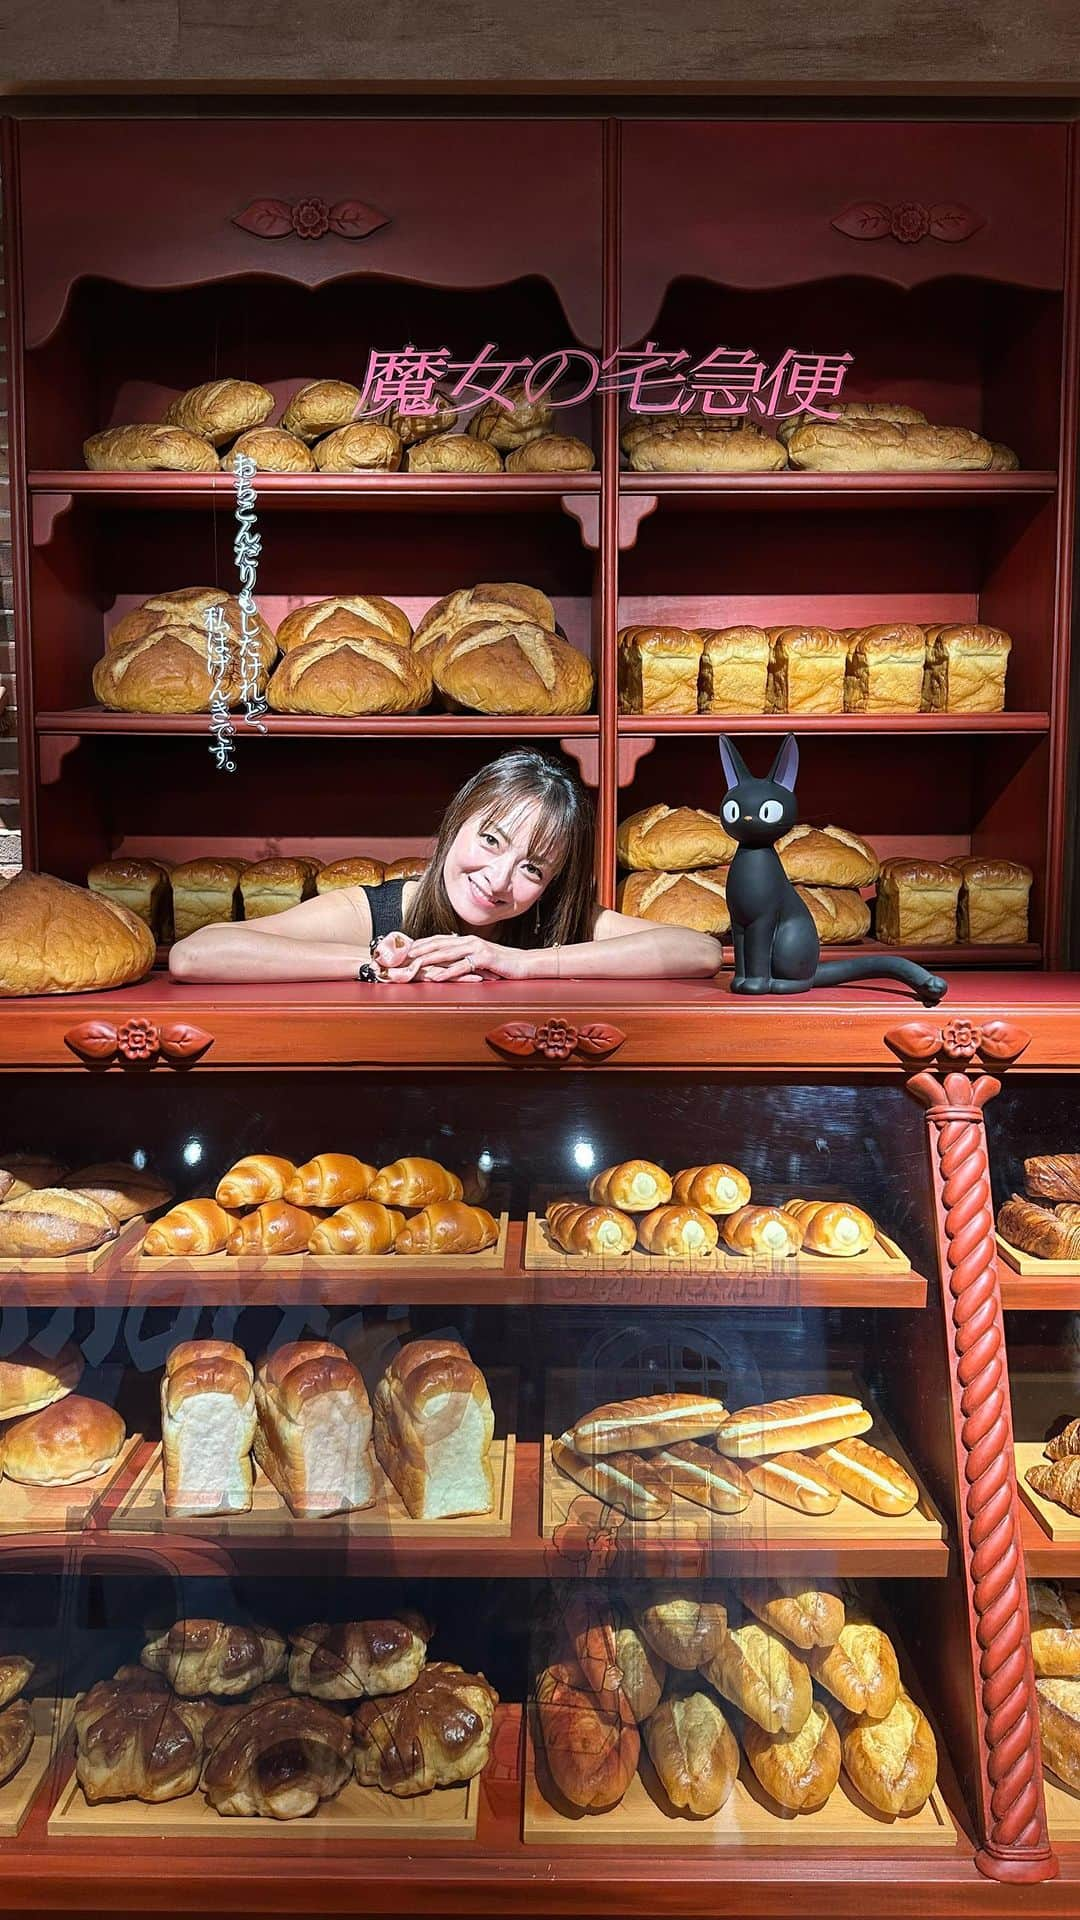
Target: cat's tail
930	987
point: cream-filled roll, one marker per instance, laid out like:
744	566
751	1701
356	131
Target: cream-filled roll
634	1186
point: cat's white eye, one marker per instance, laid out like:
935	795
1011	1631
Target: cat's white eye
730	812
770	811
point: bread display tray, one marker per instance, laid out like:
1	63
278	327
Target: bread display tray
27	1509
541	1253
1062	1809
141	1509
356	1813
645	1818
312	1266
1057	1522
118	1250
1030	1263
16	1794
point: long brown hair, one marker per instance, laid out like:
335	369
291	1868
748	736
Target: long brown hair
562	838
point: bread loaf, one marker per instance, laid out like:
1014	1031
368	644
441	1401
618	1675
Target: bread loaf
56	938
361	870
168	670
123	1190
694	1751
760	1675
799	1770
142	886
994	897
684	1622
433	1430
697	900
1055	1629
840	915
276	1755
795	1481
893	1761
273	450
884	669
595	1230
192	1227
313	1440
511	420
330	1180
274	1228
699	1474
882	446
359	1660
763	1232
16	1669
917	903
734	670
654	1420
1058	1700
1049	1176
413	429
718	1188
827	857
135	1741
673	839
625	1481
454	453
364	445
641	1670
49	1222
436	1732
448	1226
149	447
27	1172
806	670
30	1380
658	670
361	1227
270	886
677	1231
508	600
220	409
210	1656
204	893
869	1476
634	1186
208	1421
414	1182
498	666
587	1621
807	1613
319	407
860	1669
364	672
833	1228
805	1420
701	449
257	1177
898	411
72	1440
966	667
590	1742
16	1737
552	453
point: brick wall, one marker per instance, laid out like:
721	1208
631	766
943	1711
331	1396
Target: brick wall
9	789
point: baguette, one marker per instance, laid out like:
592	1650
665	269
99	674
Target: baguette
868	1476
796	1482
655	1420
806	1420
621	1480
705	1477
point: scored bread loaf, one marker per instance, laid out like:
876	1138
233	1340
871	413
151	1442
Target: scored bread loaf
362	672
634	1186
673	839
806	670
1058	1700
274	1227
142	886
869	1476
204	893
552	453
272	450
220	409
413	428
167	670
511	420
805	1420
363	445
643	1671
319	407
694	1751
313	1440
147	447
591	1744
764	1232
759	1674
453	453
917	903
188	607
257	1177
329	1180
827	857
893	1761
414	1182
799	1770
705	449
884	669
27	1171
433	1430
436	1732
500	666
360	1659
588	1229
49	1222
587	1622
30	1380
734	673
684	1622
839	913
71	1440
884	446
625	1481
676	1230
270	886
697	900
652	1420
208	1424
123	1190
808	1613
860	1668
343	616
360	1227
658	669
1054	1612
56	938
191	1227
507	600
213	1656
847	410
795	1480
448	1226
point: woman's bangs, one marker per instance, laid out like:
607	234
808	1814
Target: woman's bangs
547	841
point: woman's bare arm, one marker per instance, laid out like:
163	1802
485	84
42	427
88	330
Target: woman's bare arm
626	948
327	938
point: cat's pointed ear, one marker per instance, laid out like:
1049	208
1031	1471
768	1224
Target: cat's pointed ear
786	765
731	761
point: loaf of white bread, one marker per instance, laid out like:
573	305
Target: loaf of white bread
208	1425
433	1430
313	1439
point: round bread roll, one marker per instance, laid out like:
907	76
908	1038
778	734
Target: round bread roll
697	900
552	453
273	451
156	659
149	448
360	870
75	1439
798	1769
364	673
453	453
696	449
319	408
341	616
412	428
667	839
56	938
513	425
506	600
123	1190
366	445
633	1186
717	1188
30	1381
221	409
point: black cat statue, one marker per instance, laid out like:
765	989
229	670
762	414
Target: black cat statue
777	949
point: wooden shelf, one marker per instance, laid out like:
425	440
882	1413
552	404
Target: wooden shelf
1034	1293
413	726
708	725
787	489
334	492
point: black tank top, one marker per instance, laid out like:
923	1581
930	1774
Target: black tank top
387	907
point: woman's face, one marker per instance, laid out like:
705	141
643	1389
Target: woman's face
489	873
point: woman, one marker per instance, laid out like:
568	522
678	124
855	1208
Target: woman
507	895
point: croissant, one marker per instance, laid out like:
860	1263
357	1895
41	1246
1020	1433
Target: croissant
1036	1230
330	1180
364	1226
1066	1443
717	1188
678	1229
1053	1176
767	1231
633	1185
1057	1480
580	1229
414	1183
448	1226
832	1226
258	1177
275	1227
193	1226
277	1755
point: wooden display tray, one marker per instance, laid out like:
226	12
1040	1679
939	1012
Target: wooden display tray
1032	1267
141	1509
25	1509
1062	1808
1055	1521
79	1263
16	1794
356	1813
886	1258
316	1266
748	1818
764	1521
